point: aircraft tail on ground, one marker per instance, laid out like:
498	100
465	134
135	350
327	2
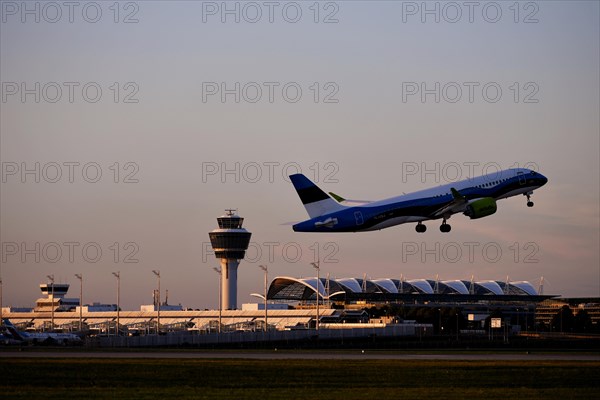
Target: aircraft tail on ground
13	331
316	201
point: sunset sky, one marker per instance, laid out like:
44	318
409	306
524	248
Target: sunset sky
148	119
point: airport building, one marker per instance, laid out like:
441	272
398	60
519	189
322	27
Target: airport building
309	303
292	305
348	290
548	310
55	298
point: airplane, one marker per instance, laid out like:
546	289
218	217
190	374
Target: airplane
474	197
7	339
34	338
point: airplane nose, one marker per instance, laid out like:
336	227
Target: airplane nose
542	179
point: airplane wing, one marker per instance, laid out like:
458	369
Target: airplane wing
458	204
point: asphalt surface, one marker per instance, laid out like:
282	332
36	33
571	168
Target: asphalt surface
302	355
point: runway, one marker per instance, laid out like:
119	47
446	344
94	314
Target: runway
305	355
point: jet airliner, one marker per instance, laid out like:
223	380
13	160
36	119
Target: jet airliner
474	197
41	337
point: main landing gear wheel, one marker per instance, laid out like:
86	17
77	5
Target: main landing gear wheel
529	202
445	228
420	228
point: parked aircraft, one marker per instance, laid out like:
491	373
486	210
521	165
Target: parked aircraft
27	337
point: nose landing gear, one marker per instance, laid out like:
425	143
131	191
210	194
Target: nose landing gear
420	228
529	202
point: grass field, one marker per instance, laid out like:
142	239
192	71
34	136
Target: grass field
295	379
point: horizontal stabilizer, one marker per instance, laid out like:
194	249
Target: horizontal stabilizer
348	202
337	198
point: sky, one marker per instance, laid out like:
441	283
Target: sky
127	128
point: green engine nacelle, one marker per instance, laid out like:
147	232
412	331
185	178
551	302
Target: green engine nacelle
481	208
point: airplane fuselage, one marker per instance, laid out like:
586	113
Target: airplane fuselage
428	204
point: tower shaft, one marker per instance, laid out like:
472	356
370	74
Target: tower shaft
229	268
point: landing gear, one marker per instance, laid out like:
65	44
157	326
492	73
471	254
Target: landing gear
445	227
420	228
529	202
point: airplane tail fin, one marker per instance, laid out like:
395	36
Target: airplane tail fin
316	201
13	331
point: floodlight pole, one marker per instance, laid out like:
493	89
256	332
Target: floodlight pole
316	266
218	271
118	276
51	277
1	320
457	325
264	268
80	277
157	273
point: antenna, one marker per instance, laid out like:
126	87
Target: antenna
401	283
327	291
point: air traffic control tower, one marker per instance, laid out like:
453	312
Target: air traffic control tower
229	243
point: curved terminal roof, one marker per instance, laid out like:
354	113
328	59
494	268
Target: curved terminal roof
526	286
298	289
350	284
457	285
386	285
492	286
422	285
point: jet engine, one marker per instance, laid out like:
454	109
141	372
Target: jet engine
480	208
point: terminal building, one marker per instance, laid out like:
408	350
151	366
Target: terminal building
349	290
292	304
